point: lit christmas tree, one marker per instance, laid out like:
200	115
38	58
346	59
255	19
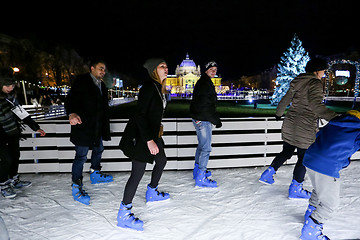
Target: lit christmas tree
292	63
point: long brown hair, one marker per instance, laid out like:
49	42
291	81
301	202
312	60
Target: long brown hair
155	76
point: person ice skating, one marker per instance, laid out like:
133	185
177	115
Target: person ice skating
330	153
87	108
301	124
203	114
12	116
142	142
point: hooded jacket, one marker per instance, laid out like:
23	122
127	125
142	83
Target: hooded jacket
334	145
301	121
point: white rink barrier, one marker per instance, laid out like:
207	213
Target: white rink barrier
241	142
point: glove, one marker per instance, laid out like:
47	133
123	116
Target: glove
219	125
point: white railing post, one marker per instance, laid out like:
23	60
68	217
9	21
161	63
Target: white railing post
36	161
266	137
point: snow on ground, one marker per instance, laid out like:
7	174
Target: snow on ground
240	208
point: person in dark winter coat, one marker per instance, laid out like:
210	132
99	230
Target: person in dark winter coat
324	159
203	114
301	123
87	108
142	142
12	116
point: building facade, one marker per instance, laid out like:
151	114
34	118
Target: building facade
185	78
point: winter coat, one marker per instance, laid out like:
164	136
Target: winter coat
301	121
203	104
334	145
86	100
10	124
145	125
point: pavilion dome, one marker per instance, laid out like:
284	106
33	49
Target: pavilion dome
188	62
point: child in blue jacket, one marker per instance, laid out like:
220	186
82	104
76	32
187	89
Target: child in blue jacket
330	153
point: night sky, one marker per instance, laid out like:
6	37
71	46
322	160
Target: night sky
244	37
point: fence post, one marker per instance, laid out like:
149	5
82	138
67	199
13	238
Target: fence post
36	161
266	137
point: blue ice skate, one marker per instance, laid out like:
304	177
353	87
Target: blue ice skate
309	211
96	176
312	231
267	176
152	195
196	167
126	219
202	181
296	191
79	193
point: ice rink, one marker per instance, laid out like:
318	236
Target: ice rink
240	208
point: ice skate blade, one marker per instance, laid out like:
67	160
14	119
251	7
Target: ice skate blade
10	197
83	203
266	183
127	228
87	203
205	186
297	199
101	182
157	202
25	186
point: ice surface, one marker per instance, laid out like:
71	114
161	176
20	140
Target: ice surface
240	208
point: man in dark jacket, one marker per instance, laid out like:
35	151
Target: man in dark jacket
203	113
87	108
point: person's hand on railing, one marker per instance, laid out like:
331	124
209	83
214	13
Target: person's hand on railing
42	132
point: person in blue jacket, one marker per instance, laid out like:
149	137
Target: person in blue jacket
330	153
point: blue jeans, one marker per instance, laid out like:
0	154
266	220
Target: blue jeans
81	157
203	132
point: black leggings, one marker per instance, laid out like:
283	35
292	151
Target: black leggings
287	152
138	170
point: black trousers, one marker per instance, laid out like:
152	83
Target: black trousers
287	152
138	170
9	157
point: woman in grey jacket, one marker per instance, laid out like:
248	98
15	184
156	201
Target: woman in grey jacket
301	123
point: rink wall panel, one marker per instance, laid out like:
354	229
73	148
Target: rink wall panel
241	142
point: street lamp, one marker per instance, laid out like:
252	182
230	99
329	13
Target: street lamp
16	70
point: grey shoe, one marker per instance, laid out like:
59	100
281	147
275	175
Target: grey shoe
17	183
7	190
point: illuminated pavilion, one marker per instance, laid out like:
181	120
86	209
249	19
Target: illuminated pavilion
186	76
